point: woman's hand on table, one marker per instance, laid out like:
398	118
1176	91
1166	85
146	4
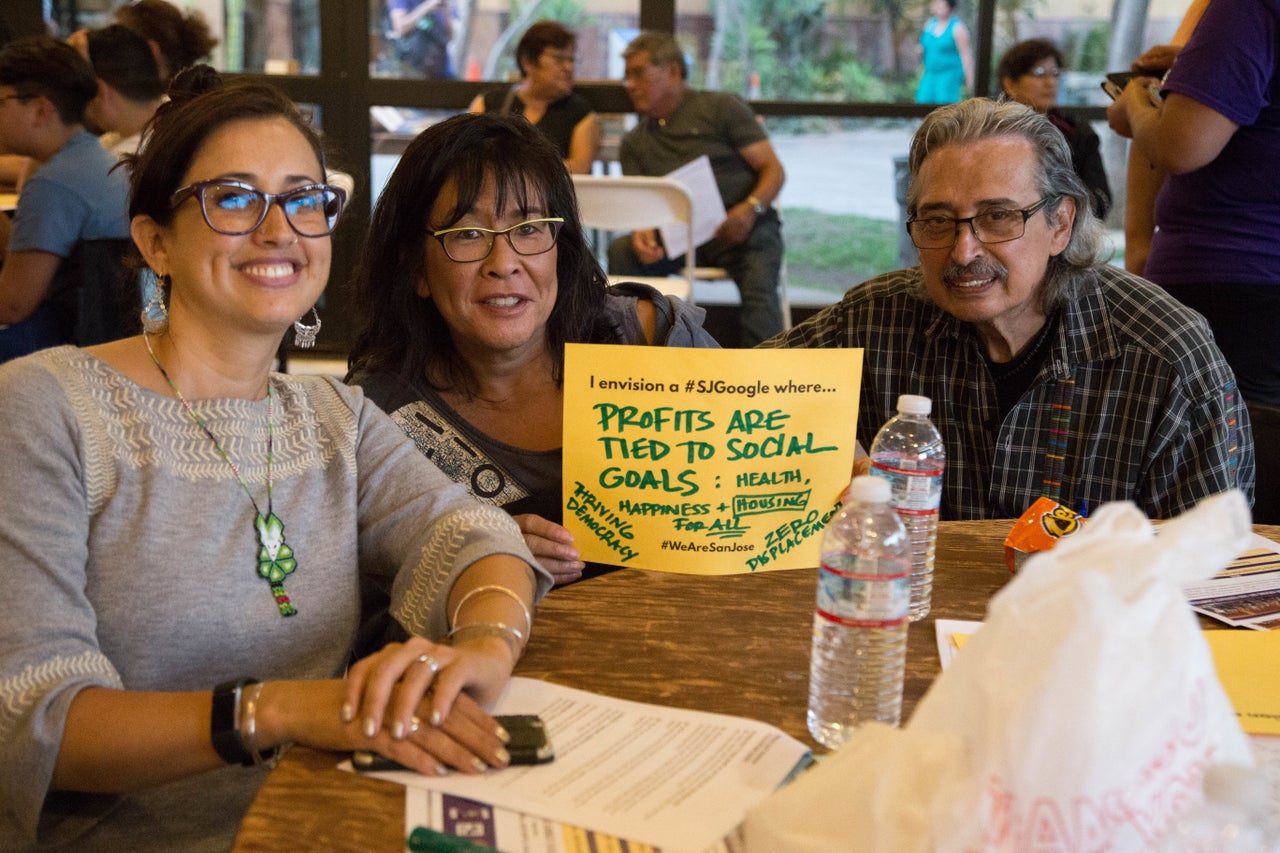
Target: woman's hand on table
552	545
420	703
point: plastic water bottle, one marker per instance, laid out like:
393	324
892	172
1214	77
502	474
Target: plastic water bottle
860	620
908	452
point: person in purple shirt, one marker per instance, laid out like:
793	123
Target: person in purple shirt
1217	134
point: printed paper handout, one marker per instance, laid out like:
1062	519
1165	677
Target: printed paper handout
672	778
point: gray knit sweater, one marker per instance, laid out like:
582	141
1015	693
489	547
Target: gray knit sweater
128	559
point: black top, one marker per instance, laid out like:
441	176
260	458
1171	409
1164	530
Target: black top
557	123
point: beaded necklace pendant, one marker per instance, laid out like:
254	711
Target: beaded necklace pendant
275	559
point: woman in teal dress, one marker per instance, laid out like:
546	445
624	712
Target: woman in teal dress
946	56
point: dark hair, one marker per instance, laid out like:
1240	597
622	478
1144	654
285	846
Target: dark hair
123	60
404	333
181	39
199	104
979	119
43	67
663	49
1024	55
539	37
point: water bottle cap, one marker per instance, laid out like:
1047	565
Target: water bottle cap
914	404
870	490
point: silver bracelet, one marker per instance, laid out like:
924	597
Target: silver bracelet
524	608
249	729
511	636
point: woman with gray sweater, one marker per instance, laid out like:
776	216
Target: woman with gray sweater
191	544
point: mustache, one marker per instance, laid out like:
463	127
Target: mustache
978	268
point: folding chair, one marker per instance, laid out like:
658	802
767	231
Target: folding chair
631	203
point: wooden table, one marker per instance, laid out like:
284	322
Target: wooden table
734	645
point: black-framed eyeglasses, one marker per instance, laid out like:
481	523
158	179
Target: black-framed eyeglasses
999	225
235	208
469	243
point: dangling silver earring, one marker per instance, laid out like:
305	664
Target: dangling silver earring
305	336
155	315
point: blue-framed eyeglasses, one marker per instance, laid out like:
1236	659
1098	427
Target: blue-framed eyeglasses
235	208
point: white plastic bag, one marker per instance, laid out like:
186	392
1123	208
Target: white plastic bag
1080	718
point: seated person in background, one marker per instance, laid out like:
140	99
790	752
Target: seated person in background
161	492
474	276
678	125
1050	372
178	39
546	98
73	195
1028	73
129	87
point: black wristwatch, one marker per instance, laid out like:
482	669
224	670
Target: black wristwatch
224	722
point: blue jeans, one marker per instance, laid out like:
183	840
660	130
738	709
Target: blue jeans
754	265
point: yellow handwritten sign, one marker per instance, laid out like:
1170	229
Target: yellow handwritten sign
706	461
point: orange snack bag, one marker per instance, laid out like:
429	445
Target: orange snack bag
1039	529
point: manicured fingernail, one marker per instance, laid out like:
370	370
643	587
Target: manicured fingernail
348	713
503	734
370	727
414	724
435	717
479	765
504	757
397	730
441	770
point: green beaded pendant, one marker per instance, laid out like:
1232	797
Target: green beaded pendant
275	560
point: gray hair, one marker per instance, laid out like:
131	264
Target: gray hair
979	118
663	49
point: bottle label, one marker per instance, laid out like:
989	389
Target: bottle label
919	490
865	599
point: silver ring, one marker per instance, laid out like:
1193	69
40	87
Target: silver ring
431	662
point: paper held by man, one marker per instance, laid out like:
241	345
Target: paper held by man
708	207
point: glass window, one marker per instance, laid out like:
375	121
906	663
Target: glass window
393	128
841	206
476	39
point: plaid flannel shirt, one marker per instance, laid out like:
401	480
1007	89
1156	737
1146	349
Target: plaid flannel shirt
1134	398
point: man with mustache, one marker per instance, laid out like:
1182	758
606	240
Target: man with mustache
1051	373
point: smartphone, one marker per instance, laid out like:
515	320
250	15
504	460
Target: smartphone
1115	82
529	745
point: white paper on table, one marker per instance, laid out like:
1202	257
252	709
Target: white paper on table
676	779
708	207
946	630
1244	594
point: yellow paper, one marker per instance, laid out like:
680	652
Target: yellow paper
706	461
1246	664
